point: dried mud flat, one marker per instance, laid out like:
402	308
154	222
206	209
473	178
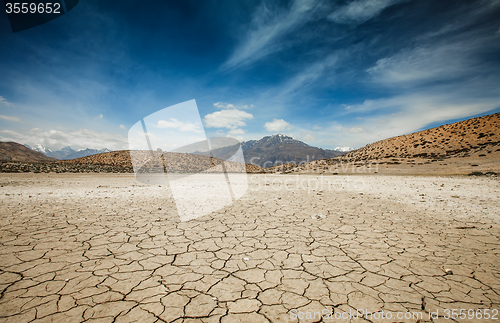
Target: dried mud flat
105	248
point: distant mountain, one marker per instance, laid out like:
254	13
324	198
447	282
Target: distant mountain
275	150
67	152
12	151
40	149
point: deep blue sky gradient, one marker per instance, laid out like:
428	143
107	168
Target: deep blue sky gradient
330	73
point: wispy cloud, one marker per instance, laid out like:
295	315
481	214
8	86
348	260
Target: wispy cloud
236	131
224	105
3	101
431	63
269	25
359	11
353	130
308	75
10	118
54	139
179	125
307	136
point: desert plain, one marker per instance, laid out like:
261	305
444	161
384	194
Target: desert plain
294	248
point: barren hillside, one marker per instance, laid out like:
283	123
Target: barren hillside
175	162
12	151
457	148
461	139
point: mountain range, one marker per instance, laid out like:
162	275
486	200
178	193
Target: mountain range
268	151
274	150
470	146
67	152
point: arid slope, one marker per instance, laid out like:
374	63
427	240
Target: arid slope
12	151
173	161
458	148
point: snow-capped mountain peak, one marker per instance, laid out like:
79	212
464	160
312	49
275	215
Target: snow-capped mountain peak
67	152
344	149
42	149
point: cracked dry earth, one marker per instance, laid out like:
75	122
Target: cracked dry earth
105	248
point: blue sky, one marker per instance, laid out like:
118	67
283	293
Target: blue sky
329	73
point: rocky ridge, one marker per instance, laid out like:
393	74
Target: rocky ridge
12	151
460	147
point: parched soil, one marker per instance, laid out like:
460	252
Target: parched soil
103	247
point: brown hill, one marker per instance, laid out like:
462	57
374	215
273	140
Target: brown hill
460	139
152	162
12	151
457	148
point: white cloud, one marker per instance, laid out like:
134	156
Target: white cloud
277	125
236	131
3	101
123	127
223	105
353	130
359	11
77	139
451	59
229	119
179	125
308	75
307	136
268	26
424	64
100	116
316	128
10	118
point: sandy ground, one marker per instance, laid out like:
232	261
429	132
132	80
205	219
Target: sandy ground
409	166
106	248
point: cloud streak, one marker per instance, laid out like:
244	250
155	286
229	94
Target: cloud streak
3	101
359	11
268	26
54	139
10	118
179	125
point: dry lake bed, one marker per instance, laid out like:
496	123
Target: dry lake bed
371	248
